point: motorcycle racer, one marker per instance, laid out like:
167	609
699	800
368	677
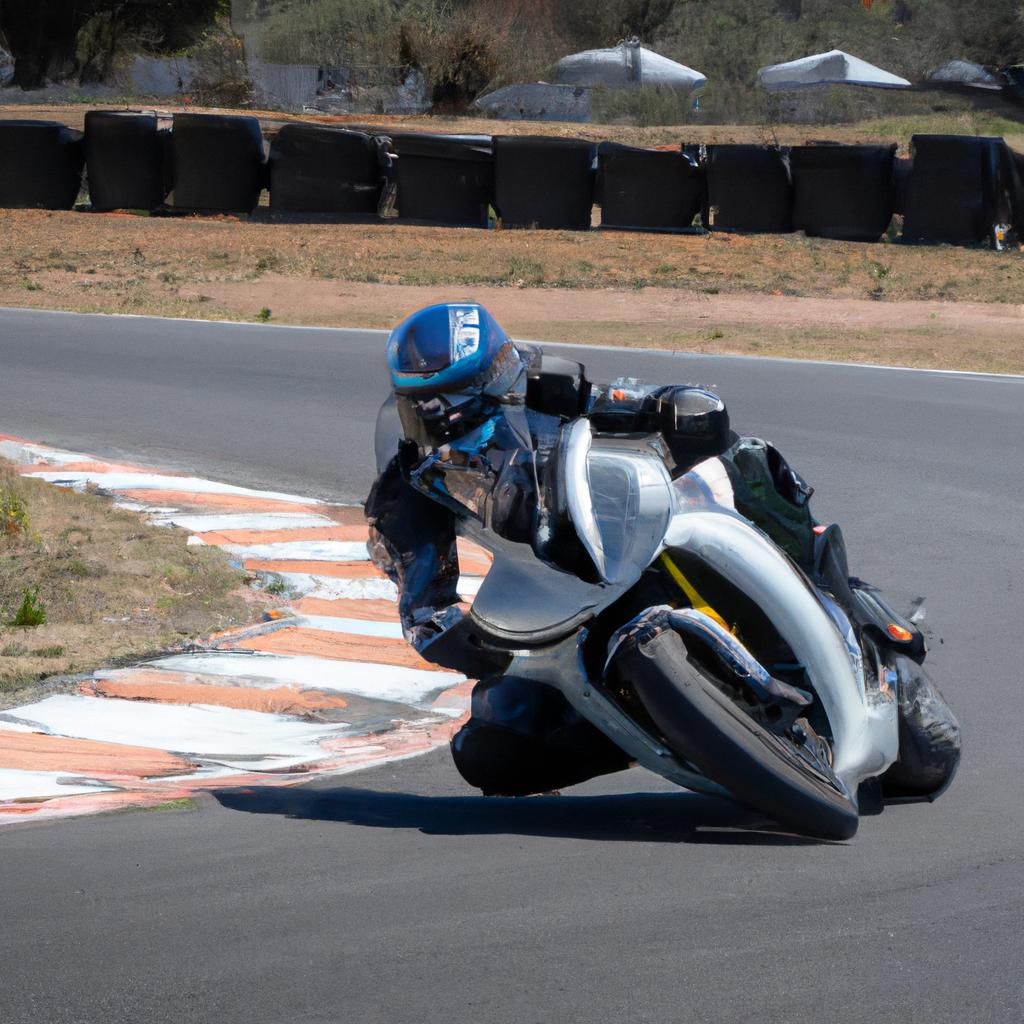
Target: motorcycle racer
471	433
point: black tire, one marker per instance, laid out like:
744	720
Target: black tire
701	724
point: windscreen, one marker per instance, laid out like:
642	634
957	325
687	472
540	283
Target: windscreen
620	500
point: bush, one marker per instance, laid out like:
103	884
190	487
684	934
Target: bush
222	77
31	613
330	33
13	517
642	106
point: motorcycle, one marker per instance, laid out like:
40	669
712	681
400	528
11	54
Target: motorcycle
700	648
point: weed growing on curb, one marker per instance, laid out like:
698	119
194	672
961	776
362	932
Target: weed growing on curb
275	586
264	314
31	613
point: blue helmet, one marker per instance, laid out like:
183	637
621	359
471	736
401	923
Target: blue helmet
452	348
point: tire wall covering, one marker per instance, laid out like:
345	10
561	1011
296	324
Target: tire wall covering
958	188
444	181
544	182
954	189
124	156
315	169
218	163
901	181
645	188
40	165
843	192
749	189
1018	209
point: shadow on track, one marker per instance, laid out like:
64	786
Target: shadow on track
640	817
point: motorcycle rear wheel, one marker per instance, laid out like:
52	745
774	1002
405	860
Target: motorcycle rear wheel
760	769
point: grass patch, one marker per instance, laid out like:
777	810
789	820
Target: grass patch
91	584
523	271
184	803
53	651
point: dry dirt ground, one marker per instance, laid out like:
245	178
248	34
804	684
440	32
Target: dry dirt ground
109	584
770	294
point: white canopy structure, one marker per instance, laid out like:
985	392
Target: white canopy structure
966	74
627	64
537	101
832	68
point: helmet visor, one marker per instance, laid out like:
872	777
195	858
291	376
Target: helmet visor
425	349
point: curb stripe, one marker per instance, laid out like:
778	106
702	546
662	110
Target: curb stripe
241	710
340	646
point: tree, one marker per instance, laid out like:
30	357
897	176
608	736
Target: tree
41	37
57	39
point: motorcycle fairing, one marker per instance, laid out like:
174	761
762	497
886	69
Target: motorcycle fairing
624	532
525	601
615	529
864	738
620	500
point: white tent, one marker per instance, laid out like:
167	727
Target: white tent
832	68
966	74
537	101
629	63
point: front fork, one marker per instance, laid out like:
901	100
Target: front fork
562	666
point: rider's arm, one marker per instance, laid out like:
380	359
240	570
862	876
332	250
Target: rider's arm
412	540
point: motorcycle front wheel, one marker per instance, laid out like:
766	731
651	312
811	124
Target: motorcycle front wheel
762	770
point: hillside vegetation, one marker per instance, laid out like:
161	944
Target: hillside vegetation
466	46
83	40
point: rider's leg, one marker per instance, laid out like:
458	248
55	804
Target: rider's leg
929	735
524	737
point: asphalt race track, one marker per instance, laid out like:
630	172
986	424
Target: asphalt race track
396	894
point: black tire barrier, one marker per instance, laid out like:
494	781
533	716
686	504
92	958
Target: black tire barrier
901	183
843	192
315	169
544	182
648	189
40	165
218	163
124	157
1018	207
749	189
444	180
958	190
